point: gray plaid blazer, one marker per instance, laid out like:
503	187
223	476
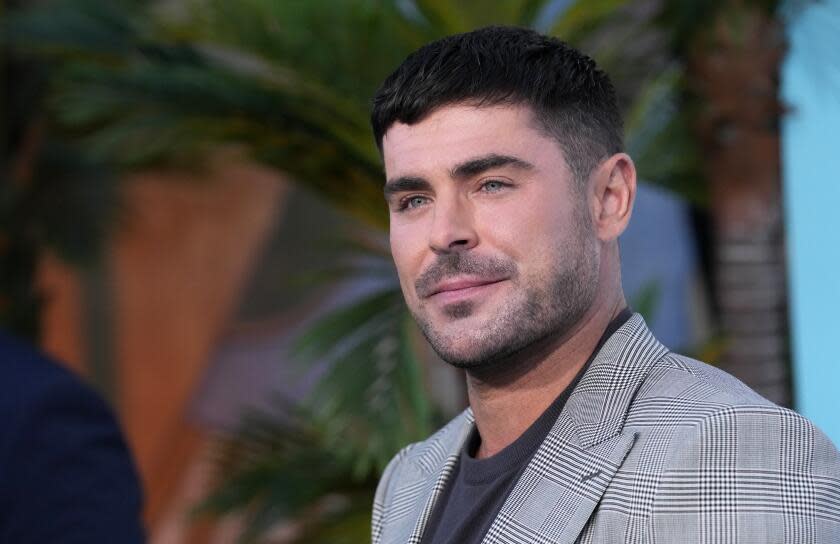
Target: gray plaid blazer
650	447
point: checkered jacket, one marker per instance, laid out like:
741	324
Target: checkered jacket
651	447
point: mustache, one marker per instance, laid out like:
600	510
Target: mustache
459	264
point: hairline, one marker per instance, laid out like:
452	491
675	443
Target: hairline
540	122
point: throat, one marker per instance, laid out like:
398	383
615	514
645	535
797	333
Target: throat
505	415
509	402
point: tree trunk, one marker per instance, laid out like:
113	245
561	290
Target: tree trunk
734	73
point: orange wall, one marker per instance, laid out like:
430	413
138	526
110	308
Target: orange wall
177	263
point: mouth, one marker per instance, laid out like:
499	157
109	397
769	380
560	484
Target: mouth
459	289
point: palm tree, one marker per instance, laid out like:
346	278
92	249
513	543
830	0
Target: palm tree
733	66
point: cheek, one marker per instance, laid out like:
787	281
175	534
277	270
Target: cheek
517	229
554	216
407	252
530	232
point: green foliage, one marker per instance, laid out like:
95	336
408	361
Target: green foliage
659	140
19	302
371	402
584	16
52	198
278	469
647	300
685	21
318	467
289	82
455	16
76	28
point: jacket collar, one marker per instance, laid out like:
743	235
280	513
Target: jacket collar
575	463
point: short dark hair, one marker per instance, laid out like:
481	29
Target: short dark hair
572	99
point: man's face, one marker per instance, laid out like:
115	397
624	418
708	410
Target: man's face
492	239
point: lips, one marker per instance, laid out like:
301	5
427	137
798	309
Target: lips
457	288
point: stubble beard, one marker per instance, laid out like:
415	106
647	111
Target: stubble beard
546	307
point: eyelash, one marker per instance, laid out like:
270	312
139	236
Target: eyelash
502	185
403	204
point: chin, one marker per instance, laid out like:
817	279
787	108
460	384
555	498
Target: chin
460	348
458	334
459	358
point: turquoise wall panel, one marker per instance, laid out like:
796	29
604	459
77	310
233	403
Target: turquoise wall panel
811	173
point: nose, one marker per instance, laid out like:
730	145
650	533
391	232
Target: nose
453	226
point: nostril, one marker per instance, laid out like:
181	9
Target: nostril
459	243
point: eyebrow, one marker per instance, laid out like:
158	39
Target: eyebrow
464	170
479	165
405	184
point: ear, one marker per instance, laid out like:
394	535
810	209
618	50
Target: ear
614	186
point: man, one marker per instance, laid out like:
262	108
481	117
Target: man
65	473
508	189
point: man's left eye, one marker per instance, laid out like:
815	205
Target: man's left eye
493	186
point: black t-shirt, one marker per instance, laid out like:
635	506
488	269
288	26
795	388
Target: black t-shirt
478	488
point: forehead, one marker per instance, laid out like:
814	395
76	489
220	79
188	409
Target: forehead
452	134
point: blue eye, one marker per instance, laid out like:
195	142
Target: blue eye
493	186
413	202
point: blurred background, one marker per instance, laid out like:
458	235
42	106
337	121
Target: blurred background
191	218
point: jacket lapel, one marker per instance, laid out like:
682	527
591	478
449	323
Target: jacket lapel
564	481
434	467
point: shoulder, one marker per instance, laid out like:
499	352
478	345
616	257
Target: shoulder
678	376
35	387
699	400
712	451
723	444
680	393
62	455
757	469
29	375
41	400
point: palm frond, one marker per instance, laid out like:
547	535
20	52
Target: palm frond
266	474
452	17
371	401
659	140
580	18
105	30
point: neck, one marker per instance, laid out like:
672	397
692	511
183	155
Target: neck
507	399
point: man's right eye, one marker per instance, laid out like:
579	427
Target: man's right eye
411	202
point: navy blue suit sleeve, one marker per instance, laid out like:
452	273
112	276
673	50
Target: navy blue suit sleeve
65	472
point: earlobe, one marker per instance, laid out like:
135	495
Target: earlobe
615	192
